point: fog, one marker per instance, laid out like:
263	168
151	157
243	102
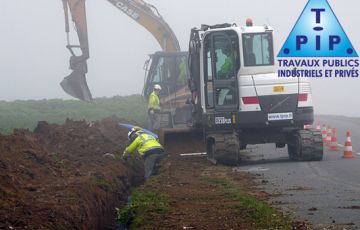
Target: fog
34	59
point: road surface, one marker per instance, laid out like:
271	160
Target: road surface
325	193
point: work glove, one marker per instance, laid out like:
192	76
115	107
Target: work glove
151	111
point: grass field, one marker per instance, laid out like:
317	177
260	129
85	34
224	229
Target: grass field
26	114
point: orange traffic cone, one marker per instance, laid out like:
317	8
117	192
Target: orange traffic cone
334	145
348	153
324	133
328	136
318	126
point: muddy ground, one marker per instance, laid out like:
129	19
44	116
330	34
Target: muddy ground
57	177
71	177
200	198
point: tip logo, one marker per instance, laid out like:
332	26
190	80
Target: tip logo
317	33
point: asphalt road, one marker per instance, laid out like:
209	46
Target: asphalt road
325	193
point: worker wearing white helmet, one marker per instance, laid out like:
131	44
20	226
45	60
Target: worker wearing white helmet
154	109
147	146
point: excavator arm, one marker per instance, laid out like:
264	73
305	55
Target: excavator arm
143	13
75	84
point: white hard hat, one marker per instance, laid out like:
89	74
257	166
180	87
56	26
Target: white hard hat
157	86
132	131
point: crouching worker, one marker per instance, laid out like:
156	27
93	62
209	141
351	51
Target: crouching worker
147	146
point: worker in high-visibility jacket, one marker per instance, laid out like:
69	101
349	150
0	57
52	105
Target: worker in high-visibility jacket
154	109
227	69
147	146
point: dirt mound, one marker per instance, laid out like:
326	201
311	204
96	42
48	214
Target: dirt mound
57	177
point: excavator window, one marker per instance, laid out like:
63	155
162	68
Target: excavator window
170	71
164	75
181	72
224	58
158	72
258	49
209	82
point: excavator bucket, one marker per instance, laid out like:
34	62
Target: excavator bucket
76	86
182	140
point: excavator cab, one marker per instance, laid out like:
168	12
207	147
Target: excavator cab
169	69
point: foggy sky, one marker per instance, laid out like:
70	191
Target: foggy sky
33	57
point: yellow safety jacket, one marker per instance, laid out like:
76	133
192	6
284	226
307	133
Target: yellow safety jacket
154	102
142	143
227	67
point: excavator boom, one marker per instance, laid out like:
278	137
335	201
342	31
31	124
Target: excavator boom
148	16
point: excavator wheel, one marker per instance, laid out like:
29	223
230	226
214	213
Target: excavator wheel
306	145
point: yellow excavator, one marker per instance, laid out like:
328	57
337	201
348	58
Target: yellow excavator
167	68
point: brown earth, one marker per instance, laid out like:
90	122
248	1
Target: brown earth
58	178
198	203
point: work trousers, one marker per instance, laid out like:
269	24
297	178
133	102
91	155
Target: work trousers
151	158
154	122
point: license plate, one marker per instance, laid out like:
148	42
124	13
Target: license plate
280	116
278	89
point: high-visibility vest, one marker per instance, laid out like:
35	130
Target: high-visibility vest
142	143
154	102
227	67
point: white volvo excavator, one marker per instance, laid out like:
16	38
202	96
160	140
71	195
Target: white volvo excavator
248	103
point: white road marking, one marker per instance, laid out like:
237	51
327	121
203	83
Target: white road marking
192	154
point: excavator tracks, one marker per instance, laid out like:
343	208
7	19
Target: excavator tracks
223	148
303	145
306	145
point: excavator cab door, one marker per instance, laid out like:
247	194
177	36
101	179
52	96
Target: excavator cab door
221	67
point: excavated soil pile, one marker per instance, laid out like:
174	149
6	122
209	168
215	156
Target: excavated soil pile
57	177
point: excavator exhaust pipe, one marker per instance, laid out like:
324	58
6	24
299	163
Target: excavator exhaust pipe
76	86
